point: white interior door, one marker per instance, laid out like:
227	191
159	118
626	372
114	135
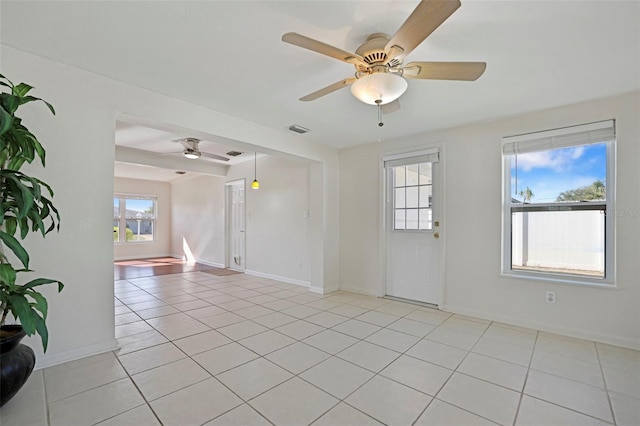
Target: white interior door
236	223
413	228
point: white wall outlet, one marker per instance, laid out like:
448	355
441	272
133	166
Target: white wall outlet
551	297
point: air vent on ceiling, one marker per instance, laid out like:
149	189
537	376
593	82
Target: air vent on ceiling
298	129
234	153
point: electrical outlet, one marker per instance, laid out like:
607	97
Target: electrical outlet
551	297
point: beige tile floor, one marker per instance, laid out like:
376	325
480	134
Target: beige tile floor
239	350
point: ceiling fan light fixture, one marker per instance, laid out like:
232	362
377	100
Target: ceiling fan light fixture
382	87
192	154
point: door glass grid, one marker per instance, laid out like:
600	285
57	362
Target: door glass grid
412	197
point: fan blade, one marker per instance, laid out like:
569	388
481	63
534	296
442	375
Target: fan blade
323	48
214	156
390	107
419	25
329	89
172	153
467	71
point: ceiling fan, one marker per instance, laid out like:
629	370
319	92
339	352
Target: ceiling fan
380	75
192	152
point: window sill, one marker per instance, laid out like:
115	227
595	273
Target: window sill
560	279
133	243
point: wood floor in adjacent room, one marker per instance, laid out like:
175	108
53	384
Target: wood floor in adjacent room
140	268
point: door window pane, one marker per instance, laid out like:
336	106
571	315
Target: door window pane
400	198
425	174
412	219
399	219
412	196
412	175
425	219
425	196
400	176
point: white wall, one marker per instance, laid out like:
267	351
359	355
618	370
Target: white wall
197	218
80	158
277	243
162	245
472	236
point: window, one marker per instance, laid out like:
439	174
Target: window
558	199
134	219
411	188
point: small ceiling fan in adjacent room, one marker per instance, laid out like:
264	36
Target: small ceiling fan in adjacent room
192	152
380	75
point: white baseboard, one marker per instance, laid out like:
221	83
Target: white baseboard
322	290
277	278
147	256
208	263
358	290
550	328
44	361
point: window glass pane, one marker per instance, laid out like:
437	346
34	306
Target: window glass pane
116	207
574	174
116	231
412	196
400	176
139	209
425	196
425	174
565	242
412	219
425	219
139	230
399	220
412	175
399	200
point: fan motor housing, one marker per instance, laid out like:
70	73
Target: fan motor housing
372	50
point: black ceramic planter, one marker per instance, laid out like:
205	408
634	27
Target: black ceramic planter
16	363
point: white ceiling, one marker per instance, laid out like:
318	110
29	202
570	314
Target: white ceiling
228	56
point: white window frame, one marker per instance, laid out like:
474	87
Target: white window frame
122	219
599	132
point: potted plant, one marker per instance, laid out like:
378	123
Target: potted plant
24	209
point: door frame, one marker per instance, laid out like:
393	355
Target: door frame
383	222
227	222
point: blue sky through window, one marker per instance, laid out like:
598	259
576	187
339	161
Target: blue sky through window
548	173
139	205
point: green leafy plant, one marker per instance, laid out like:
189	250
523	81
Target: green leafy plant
25	208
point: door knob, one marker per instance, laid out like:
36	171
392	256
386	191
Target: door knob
436	235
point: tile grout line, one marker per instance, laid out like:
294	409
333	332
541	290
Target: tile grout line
526	378
606	389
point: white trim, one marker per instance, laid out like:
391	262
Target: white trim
209	263
45	360
358	290
148	256
322	290
278	278
578	333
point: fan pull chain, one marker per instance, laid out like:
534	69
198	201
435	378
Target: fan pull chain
379	102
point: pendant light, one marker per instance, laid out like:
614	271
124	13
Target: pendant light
255	184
